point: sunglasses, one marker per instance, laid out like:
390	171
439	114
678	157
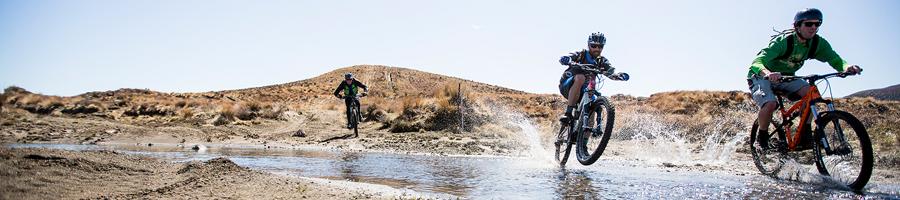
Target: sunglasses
811	24
596	46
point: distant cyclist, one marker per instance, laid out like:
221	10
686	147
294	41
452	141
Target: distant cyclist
785	55
574	75
350	86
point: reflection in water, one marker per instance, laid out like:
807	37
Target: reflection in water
347	165
575	185
451	177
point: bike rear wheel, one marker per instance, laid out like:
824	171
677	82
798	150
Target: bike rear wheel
769	160
591	142
563	145
843	149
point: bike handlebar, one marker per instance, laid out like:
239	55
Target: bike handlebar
815	77
590	67
358	95
598	70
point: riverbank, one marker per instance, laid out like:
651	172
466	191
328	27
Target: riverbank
34	173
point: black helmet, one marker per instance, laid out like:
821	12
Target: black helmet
807	14
597	38
348	75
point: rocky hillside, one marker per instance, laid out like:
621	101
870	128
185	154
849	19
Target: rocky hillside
392	91
888	93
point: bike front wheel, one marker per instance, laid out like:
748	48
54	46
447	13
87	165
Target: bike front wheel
843	149
599	119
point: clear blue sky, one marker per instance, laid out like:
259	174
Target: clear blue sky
72	47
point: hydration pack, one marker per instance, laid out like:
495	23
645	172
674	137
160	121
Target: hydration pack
811	54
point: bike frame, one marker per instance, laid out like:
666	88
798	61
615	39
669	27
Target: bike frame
807	113
589	95
354	104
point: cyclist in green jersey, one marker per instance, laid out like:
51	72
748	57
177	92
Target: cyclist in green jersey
350	88
785	55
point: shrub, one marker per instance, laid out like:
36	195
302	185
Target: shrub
226	110
243	112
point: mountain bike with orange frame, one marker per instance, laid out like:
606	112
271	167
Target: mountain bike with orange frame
840	143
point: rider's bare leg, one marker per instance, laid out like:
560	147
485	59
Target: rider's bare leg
574	91
765	115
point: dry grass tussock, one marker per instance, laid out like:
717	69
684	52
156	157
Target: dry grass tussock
143	106
451	107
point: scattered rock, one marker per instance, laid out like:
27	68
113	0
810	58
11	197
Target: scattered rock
289	116
299	133
111	131
220	120
199	148
149	144
665	164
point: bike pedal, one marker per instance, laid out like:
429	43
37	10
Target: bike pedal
841	151
596	133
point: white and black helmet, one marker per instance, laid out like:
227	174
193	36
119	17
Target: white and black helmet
597	38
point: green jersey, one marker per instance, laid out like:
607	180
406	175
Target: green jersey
767	57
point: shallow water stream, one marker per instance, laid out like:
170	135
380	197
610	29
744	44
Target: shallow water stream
502	177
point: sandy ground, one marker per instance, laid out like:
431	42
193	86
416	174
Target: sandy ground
322	130
53	174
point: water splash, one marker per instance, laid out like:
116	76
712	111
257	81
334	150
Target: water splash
722	143
648	138
527	130
532	136
652	139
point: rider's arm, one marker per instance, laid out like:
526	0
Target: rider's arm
570	59
359	84
825	53
766	55
609	71
338	90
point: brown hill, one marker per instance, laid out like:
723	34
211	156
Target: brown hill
392	90
383	82
888	93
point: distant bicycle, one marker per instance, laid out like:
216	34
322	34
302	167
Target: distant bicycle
592	124
353	115
841	144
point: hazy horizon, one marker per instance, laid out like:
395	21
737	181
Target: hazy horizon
72	47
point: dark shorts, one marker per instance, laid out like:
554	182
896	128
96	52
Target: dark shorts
565	81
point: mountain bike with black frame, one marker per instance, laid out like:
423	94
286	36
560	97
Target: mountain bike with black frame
353	115
592	125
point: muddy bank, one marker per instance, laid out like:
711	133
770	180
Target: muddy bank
28	173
